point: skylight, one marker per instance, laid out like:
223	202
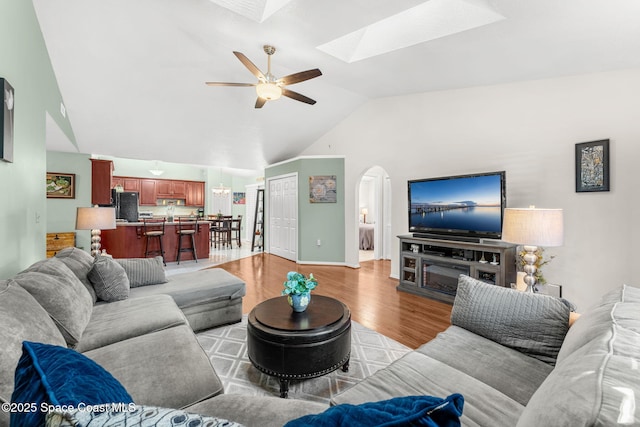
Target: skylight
429	21
256	10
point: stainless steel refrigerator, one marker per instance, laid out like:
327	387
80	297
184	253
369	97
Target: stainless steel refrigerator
126	204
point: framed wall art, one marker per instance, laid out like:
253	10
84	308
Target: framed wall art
61	185
6	121
322	189
239	198
592	166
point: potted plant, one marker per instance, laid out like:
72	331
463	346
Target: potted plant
298	289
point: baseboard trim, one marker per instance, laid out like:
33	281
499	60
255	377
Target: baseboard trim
337	264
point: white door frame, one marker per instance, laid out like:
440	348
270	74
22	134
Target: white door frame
382	219
267	212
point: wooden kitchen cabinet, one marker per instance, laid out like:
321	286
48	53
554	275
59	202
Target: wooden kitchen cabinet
170	189
195	193
148	192
127	183
101	175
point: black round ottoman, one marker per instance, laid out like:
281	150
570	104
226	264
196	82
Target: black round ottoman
295	346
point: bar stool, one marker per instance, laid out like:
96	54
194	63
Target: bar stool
154	229
235	229
187	227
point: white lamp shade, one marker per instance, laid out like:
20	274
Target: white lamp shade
364	211
96	219
268	91
534	227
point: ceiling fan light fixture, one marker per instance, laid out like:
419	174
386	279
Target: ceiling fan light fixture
268	91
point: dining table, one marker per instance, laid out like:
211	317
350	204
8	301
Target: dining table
221	227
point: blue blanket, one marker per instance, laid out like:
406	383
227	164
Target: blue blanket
400	411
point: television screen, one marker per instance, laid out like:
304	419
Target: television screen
466	205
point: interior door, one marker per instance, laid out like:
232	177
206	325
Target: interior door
283	216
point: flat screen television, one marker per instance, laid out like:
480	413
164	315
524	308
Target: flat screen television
465	207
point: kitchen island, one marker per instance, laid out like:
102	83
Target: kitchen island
127	240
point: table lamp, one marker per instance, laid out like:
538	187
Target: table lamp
532	228
95	219
364	213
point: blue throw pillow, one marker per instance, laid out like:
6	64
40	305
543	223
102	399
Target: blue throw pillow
51	376
425	411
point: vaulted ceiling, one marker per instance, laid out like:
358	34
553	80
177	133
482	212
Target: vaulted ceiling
132	73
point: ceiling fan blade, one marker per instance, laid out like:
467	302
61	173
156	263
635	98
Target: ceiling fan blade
260	102
229	84
250	65
298	97
300	77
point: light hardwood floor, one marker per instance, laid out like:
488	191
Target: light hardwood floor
368	291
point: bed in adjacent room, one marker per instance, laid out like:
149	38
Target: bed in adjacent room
366	237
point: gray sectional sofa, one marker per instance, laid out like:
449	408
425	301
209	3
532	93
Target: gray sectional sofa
512	356
144	337
516	361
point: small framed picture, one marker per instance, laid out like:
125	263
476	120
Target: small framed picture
592	166
61	185
239	198
6	121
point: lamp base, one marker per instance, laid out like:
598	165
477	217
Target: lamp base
95	242
530	268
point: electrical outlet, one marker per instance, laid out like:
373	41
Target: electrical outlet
319	242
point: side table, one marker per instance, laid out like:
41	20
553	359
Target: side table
295	346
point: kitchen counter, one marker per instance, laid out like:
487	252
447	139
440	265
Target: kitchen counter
128	241
140	223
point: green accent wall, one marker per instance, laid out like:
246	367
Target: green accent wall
324	221
25	63
61	213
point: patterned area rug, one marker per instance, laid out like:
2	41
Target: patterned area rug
227	350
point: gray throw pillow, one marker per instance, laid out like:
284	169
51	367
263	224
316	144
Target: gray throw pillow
144	271
109	279
60	292
531	323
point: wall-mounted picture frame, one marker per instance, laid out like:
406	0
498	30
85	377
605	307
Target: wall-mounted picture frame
592	166
322	189
239	198
61	185
6	121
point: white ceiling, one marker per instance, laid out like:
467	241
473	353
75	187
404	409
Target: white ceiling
132	73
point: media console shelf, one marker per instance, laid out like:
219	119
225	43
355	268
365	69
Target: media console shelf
430	266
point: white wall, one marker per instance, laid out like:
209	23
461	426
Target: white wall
528	129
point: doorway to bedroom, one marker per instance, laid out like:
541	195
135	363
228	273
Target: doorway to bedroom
374	215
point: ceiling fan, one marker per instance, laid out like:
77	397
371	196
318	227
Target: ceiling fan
268	87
